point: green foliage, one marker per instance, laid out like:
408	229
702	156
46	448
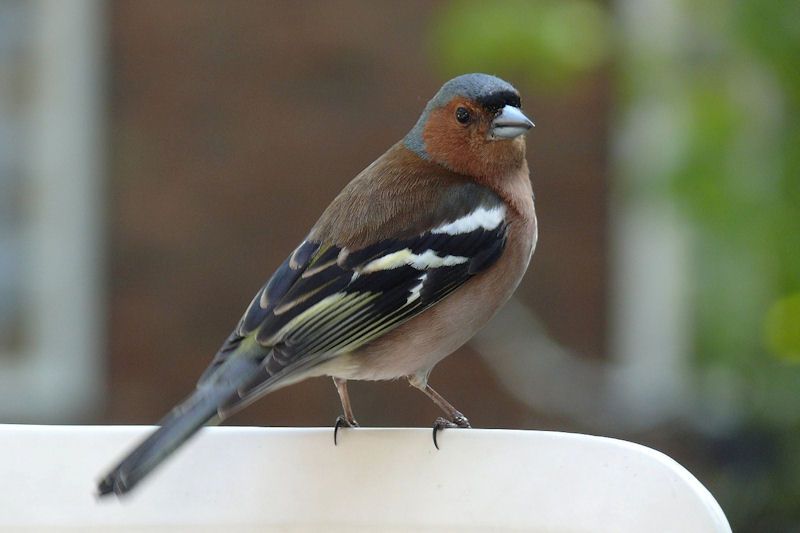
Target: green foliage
739	178
544	43
772	30
783	328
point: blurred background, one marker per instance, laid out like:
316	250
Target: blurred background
159	159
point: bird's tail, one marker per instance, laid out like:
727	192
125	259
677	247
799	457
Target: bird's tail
176	428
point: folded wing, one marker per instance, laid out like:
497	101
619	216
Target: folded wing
325	300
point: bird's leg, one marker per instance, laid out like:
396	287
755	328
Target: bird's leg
347	418
454	419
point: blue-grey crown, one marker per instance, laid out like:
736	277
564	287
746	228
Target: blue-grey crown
490	91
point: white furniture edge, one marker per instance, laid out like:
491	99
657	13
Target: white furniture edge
375	479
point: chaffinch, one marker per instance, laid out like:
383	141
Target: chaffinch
406	264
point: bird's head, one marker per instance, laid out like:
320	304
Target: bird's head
473	126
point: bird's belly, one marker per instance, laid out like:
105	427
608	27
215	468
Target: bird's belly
416	346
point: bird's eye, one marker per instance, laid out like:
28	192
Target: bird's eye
462	115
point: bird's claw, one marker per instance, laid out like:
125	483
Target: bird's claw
458	421
341	421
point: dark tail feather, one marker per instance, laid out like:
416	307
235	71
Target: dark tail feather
176	428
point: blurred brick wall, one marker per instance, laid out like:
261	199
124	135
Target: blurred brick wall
233	124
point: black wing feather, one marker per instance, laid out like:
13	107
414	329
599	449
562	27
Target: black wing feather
323	301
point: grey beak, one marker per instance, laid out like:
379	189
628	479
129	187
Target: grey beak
510	123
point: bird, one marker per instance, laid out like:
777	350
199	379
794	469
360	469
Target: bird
405	265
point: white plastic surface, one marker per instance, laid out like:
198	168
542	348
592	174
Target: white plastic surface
260	479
